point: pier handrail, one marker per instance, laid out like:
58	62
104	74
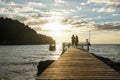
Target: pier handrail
65	46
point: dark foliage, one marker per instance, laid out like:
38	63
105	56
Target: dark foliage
12	32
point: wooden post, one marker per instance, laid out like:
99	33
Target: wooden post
69	45
63	46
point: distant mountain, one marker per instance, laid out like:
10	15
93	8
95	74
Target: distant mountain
12	32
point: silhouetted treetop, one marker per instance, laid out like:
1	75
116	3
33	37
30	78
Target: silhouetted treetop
12	32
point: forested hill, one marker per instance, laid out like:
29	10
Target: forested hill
12	32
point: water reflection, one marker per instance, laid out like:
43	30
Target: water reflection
20	62
56	54
49	59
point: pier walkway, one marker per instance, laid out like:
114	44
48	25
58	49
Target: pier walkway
77	64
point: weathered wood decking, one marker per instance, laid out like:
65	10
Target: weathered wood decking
78	64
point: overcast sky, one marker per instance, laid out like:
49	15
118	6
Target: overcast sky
100	17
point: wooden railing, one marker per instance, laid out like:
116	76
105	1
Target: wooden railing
85	46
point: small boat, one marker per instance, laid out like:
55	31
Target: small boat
52	47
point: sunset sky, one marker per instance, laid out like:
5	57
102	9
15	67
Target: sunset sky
62	18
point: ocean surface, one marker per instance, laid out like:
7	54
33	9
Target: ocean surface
20	62
111	51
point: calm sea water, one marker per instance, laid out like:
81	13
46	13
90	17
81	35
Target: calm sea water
20	62
111	51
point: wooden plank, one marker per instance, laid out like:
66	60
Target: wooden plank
78	64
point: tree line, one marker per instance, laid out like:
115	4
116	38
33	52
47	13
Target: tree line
12	32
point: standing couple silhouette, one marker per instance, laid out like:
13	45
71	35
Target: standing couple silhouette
74	40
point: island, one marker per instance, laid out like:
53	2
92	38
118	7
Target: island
13	32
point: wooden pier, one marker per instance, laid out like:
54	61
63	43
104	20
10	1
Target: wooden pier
77	64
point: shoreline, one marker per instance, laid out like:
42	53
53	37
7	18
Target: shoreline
112	64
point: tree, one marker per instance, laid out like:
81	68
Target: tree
12	32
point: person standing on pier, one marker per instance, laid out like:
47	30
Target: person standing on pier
73	40
88	44
76	41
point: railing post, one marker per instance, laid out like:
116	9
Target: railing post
63	46
69	45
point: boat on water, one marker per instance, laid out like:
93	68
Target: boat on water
52	47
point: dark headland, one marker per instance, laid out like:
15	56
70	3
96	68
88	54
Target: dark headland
13	32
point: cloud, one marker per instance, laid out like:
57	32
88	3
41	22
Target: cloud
76	23
36	19
2	10
116	15
24	13
112	2
86	25
80	25
108	26
39	22
59	1
36	4
78	7
14	8
37	28
72	10
83	3
105	9
33	21
8	3
116	3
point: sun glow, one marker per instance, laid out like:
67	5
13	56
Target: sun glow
56	27
57	30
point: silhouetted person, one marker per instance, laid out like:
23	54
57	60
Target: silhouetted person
73	40
88	44
76	41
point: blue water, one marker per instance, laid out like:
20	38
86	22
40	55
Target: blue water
111	51
20	62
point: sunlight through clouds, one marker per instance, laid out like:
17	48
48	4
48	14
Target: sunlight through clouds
68	16
56	26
